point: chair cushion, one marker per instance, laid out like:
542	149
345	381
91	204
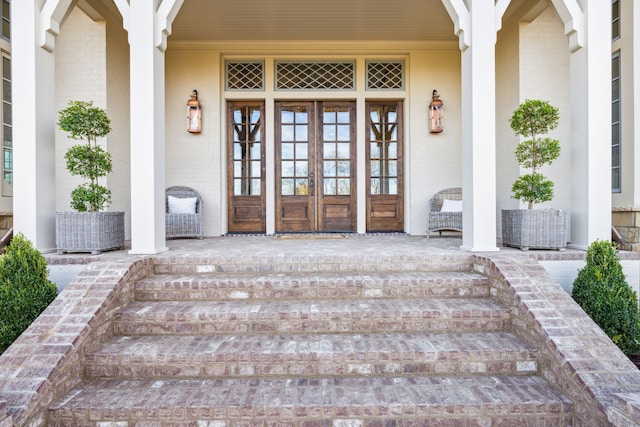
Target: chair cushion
182	205
451	206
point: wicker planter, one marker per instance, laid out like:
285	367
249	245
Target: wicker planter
89	231
535	229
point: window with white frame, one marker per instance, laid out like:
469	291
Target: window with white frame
616	132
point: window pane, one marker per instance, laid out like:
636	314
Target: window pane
302	133
288	169
344	133
287	151
302	151
302	168
330	187
302	187
344	149
329	150
287	187
255	169
255	151
375	186
287	133
344	187
344	168
329	169
329	132
615	179
255	187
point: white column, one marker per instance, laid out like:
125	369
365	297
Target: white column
590	65
34	122
147	131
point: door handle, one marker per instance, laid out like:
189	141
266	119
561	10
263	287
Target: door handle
312	184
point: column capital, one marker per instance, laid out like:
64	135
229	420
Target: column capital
461	17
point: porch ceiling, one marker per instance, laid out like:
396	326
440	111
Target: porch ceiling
305	20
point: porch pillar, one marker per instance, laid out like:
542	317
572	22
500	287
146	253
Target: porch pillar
148	23
588	25
34	122
476	26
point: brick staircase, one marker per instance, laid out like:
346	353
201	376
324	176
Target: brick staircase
276	345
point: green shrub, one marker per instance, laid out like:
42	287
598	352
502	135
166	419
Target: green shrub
603	293
25	289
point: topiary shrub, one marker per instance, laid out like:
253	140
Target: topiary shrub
25	289
603	293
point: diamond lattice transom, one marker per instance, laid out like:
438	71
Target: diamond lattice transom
245	76
385	75
315	75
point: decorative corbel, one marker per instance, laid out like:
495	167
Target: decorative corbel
165	15
573	18
123	8
52	14
461	21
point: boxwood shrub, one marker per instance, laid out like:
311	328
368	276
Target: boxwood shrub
25	289
603	293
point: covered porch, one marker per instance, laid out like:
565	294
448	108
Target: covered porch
153	54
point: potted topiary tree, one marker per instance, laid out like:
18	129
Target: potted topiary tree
530	228
89	229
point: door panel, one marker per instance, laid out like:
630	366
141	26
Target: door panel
384	167
315	173
246	168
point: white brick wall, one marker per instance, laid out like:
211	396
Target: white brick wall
80	75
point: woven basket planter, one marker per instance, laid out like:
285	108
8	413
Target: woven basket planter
535	229
89	231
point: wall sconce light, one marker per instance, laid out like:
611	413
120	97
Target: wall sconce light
436	114
194	114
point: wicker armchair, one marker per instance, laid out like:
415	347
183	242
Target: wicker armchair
444	221
178	222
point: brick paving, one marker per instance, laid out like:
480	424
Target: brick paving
365	331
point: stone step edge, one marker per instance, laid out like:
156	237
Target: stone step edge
309	286
294	317
494	397
312	355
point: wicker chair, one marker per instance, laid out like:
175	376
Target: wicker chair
183	224
444	221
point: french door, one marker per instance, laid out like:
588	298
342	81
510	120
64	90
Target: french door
385	204
315	166
246	168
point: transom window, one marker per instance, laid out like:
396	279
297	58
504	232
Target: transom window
315	75
385	75
243	75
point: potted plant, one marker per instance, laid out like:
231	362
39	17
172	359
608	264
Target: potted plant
88	229
535	228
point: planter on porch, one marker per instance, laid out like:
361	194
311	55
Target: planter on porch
535	229
89	231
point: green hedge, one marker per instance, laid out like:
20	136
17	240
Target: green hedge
25	289
603	293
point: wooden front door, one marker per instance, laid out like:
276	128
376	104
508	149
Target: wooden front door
315	167
385	203
246	168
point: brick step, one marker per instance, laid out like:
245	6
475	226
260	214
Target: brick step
328	261
321	316
235	286
309	355
372	401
